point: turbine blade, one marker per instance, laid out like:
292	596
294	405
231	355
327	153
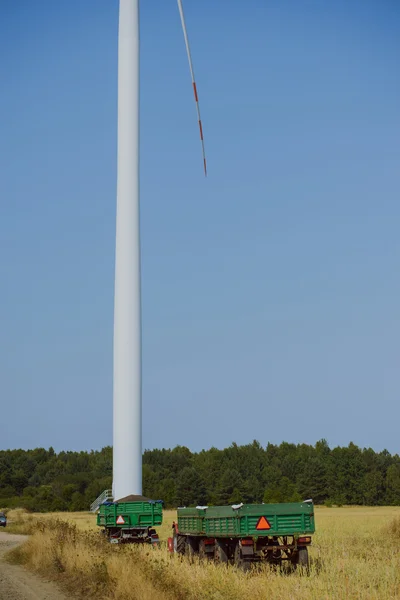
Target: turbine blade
193	82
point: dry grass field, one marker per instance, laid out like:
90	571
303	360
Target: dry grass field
355	555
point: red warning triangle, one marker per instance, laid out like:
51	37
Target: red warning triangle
120	520
263	524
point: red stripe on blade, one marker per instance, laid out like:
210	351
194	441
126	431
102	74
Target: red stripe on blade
205	167
195	91
201	130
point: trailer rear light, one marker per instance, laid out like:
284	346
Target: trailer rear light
247	542
304	540
209	542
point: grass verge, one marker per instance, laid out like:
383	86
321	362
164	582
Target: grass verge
356	555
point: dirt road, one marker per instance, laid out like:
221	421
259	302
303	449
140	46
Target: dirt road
18	584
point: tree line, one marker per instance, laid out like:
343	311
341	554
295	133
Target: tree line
43	480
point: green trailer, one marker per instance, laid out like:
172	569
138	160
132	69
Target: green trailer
246	533
130	520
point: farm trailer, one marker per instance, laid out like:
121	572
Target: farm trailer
130	521
246	533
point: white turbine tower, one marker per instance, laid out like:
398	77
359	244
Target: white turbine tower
127	434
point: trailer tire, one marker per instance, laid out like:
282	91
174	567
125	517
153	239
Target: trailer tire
221	551
191	546
180	544
239	561
301	558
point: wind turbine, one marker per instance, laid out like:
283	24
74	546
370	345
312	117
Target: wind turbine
127	392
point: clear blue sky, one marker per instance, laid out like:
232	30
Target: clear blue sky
271	290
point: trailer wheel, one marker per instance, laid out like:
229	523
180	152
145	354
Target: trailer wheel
190	546
239	561
180	544
301	558
220	551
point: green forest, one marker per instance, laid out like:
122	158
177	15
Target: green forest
43	480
